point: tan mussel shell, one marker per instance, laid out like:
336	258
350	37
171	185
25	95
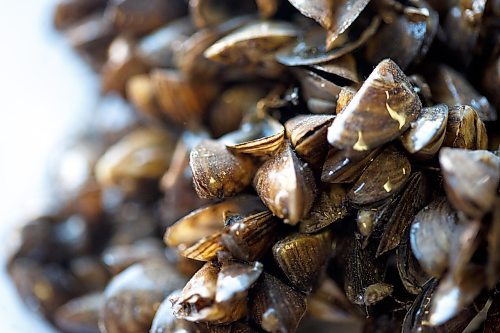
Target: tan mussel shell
143	154
425	136
471	179
381	110
228	111
142	94
384	177
205	249
219	173
81	314
451	88
286	185
248	238
254	46
122	64
301	257
465	129
430	235
205	13
276	307
140	17
217	295
131	298
256	137
307	134
334	16
346	94
331	205
182	100
208	220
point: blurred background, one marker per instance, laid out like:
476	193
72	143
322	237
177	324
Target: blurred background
48	95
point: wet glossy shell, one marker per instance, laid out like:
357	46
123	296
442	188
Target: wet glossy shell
286	185
217	172
384	177
464	129
381	110
471	179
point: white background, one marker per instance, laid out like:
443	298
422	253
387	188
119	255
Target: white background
45	91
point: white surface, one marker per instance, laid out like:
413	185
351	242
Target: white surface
45	91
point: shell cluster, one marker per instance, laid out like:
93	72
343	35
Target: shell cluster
276	166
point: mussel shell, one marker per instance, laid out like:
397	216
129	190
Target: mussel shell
232	106
133	296
492	321
383	177
301	257
411	274
319	92
471	179
139	17
217	295
205	13
344	166
331	206
343	67
258	137
250	237
334	16
360	269
217	172
493	239
80	315
286	185
142	95
376	292
205	249
207	220
310	49
307	134
143	154
158	48
181	99
275	306
413	198
428	128
465	129
253	44
430	235
450	87
69	12
381	110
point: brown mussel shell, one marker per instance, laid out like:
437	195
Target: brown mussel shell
449	87
385	176
248	238
382	109
334	16
430	235
465	129
307	134
80	315
331	206
257	137
301	257
426	135
182	100
205	249
345	166
275	306
219	173
133	296
471	179
310	49
286	185
207	220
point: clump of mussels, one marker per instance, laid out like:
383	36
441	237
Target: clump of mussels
310	165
